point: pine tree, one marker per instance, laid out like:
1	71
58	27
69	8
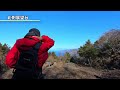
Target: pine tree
88	51
67	57
54	55
49	53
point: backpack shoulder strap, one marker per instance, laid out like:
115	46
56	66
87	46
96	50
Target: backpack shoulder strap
37	46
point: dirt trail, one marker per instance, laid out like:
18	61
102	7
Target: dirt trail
60	70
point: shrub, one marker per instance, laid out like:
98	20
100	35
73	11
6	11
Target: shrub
67	57
3	51
88	51
104	53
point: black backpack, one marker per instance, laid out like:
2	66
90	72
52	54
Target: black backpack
26	67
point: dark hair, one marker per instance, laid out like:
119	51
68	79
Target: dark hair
33	32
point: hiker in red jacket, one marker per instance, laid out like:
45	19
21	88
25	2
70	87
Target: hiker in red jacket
30	40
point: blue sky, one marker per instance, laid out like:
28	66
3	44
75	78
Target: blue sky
69	29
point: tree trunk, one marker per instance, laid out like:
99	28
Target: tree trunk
89	62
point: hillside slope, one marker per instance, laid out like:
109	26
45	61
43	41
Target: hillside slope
60	70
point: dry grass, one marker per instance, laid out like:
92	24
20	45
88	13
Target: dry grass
112	74
7	75
56	69
62	70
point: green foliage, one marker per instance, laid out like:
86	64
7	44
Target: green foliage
88	51
74	59
49	53
67	57
104	53
54	55
109	47
4	48
3	51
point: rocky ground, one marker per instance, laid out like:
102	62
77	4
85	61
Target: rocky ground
61	70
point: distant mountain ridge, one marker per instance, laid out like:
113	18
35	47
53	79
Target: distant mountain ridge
73	52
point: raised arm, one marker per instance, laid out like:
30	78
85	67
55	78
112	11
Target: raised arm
47	43
12	57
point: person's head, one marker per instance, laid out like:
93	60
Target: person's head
33	32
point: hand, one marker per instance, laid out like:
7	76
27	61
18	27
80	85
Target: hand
40	38
13	70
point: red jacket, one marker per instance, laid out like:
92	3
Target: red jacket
24	44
